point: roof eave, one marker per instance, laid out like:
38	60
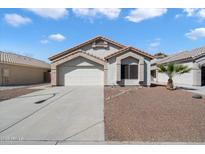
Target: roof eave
127	49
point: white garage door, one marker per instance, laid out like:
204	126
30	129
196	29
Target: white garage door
81	75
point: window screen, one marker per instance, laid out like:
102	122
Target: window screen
133	71
129	71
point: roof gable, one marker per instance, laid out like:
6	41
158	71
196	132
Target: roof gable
138	51
76	54
84	44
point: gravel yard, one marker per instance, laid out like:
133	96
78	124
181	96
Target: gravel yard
153	115
12	92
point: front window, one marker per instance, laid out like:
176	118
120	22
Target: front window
153	73
129	71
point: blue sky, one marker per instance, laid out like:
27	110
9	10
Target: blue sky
40	33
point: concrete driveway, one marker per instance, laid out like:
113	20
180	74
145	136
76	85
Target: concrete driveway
58	115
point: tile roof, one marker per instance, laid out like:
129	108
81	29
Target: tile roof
122	48
198	52
80	51
12	58
183	56
83	44
130	48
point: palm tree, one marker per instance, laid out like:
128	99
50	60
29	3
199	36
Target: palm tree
172	69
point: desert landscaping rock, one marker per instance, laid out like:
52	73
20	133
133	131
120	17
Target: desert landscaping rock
154	115
197	96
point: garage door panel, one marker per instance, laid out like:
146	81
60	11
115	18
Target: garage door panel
81	76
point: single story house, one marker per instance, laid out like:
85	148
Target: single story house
16	69
101	61
194	59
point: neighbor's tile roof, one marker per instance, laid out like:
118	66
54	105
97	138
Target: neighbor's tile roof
12	58
198	52
183	56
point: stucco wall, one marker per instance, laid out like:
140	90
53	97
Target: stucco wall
100	52
147	72
193	78
19	75
112	73
80	61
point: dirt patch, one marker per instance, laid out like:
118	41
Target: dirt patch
154	114
12	93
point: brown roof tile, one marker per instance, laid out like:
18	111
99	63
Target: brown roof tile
132	49
85	43
183	56
12	58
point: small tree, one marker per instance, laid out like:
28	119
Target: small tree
172	69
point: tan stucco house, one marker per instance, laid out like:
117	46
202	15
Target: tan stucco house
194	59
16	69
101	61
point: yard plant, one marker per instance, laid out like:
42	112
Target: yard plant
172	69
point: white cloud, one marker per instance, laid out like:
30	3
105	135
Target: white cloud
93	13
16	19
190	12
196	33
201	13
56	37
178	16
44	41
154	44
138	15
110	13
50	13
84	12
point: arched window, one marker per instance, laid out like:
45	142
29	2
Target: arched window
129	68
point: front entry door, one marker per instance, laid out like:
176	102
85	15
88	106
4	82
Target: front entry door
203	76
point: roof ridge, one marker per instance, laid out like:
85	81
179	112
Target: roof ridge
84	43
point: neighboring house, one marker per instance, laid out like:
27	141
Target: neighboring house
159	55
101	61
20	70
194	59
